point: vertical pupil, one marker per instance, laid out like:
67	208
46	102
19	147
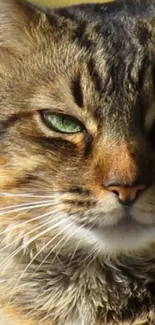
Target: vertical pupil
64	122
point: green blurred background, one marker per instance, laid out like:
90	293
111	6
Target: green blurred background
64	2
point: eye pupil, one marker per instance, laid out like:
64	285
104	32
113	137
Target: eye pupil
62	123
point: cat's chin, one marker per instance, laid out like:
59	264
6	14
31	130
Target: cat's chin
128	235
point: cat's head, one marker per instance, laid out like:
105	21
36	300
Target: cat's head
77	135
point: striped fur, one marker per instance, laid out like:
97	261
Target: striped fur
69	253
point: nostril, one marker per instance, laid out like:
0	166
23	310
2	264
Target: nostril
116	192
125	203
126	194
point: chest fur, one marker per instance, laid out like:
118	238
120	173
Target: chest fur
80	293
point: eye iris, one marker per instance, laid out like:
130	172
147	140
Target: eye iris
64	123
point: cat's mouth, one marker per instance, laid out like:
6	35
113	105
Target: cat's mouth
127	220
113	228
128	234
131	232
125	224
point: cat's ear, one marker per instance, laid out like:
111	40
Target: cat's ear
18	19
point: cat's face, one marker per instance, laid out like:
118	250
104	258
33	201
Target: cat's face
77	108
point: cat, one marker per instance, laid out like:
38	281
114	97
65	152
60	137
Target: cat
77	163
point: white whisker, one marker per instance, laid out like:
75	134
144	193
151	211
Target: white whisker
25	208
26	222
92	253
7	194
25	204
35	229
36	255
81	240
51	251
68	238
57	235
76	248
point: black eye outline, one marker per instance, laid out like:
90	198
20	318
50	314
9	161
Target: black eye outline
44	116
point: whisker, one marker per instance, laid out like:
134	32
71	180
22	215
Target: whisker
68	238
51	251
57	235
7	194
26	222
81	240
75	250
92	253
25	208
19	248
34	238
35	256
16	217
25	204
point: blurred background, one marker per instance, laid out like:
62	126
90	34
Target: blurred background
64	2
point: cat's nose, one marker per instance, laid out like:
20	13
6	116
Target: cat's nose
126	195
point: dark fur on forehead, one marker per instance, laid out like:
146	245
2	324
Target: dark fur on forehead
134	8
18	18
92	62
15	10
101	32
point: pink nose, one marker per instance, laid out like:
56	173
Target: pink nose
126	195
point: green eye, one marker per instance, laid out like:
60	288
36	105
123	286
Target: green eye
62	123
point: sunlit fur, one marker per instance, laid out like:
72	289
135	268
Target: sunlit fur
70	254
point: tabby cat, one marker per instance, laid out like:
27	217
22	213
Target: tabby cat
77	163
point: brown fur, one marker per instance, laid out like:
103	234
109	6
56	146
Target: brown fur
96	64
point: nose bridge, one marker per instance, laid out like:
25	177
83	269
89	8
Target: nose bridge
122	165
